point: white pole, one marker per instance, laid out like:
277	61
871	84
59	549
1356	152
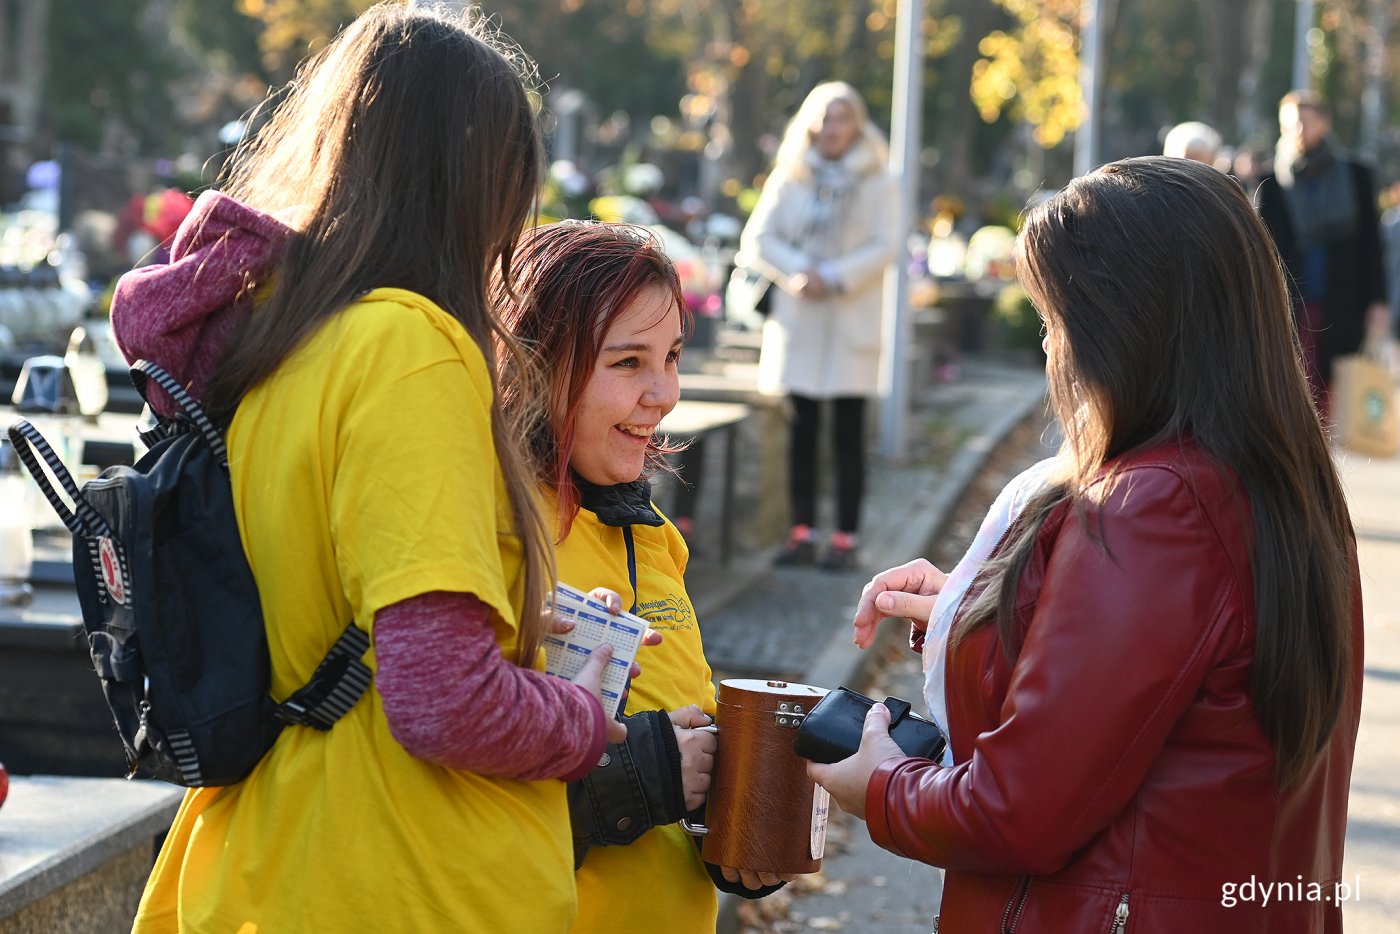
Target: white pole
1302	59
1086	138
905	135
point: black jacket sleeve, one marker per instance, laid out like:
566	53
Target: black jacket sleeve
1273	211
636	786
1372	284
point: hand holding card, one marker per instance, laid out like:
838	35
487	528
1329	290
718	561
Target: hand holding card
593	626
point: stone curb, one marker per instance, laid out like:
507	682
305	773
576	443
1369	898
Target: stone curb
840	661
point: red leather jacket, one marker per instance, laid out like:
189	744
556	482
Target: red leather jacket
1114	776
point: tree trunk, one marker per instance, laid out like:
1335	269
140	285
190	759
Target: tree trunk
1373	92
959	116
1249	115
23	70
1225	28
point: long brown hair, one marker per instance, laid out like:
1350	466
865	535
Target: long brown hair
405	154
1169	319
574	279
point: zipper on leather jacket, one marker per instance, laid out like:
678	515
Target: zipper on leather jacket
1012	916
1120	916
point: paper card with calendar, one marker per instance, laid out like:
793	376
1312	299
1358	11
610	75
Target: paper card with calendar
593	625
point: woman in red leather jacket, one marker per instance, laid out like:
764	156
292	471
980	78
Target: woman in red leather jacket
1153	684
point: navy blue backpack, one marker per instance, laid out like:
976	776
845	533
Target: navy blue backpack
170	608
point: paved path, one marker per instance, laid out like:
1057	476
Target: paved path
785	619
1373	831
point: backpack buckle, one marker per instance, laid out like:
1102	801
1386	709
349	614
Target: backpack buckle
337	684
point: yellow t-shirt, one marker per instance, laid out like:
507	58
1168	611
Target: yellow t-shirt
658	883
364	474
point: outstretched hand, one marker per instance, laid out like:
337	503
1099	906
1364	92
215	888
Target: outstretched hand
908	591
847	780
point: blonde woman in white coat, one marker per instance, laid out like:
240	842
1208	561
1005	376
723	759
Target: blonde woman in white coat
824	229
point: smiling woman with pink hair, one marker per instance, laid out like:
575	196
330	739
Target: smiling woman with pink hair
601	305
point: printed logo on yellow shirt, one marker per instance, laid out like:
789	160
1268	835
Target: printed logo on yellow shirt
671	612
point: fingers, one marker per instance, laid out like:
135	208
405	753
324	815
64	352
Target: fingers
877	722
697	748
697	785
557	624
755	879
609	599
816	771
688	717
912	606
916	577
650	637
590	676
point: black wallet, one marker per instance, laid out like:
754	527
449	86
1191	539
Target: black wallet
831	732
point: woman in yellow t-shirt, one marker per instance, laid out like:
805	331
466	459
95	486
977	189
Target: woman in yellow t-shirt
602	304
375	480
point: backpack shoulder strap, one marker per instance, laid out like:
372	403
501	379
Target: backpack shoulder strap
30	445
142	370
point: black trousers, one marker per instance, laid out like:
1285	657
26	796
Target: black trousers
848	448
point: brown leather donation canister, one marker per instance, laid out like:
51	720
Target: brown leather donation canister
764	814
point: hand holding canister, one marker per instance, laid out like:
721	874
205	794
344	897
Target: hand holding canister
764	814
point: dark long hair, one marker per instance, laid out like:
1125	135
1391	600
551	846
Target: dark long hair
1169	319
404	154
573	280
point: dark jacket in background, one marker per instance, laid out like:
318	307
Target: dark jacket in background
1355	265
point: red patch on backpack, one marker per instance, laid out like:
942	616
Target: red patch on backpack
111	569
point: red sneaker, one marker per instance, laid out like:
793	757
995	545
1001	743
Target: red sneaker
840	553
799	549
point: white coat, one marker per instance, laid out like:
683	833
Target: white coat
842	218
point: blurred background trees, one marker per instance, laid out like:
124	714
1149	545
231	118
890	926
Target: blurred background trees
702	88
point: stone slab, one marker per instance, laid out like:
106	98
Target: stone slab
56	830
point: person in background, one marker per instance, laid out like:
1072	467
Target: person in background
822	232
1152	680
1320	206
1248	166
334	316
1194	140
603	304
